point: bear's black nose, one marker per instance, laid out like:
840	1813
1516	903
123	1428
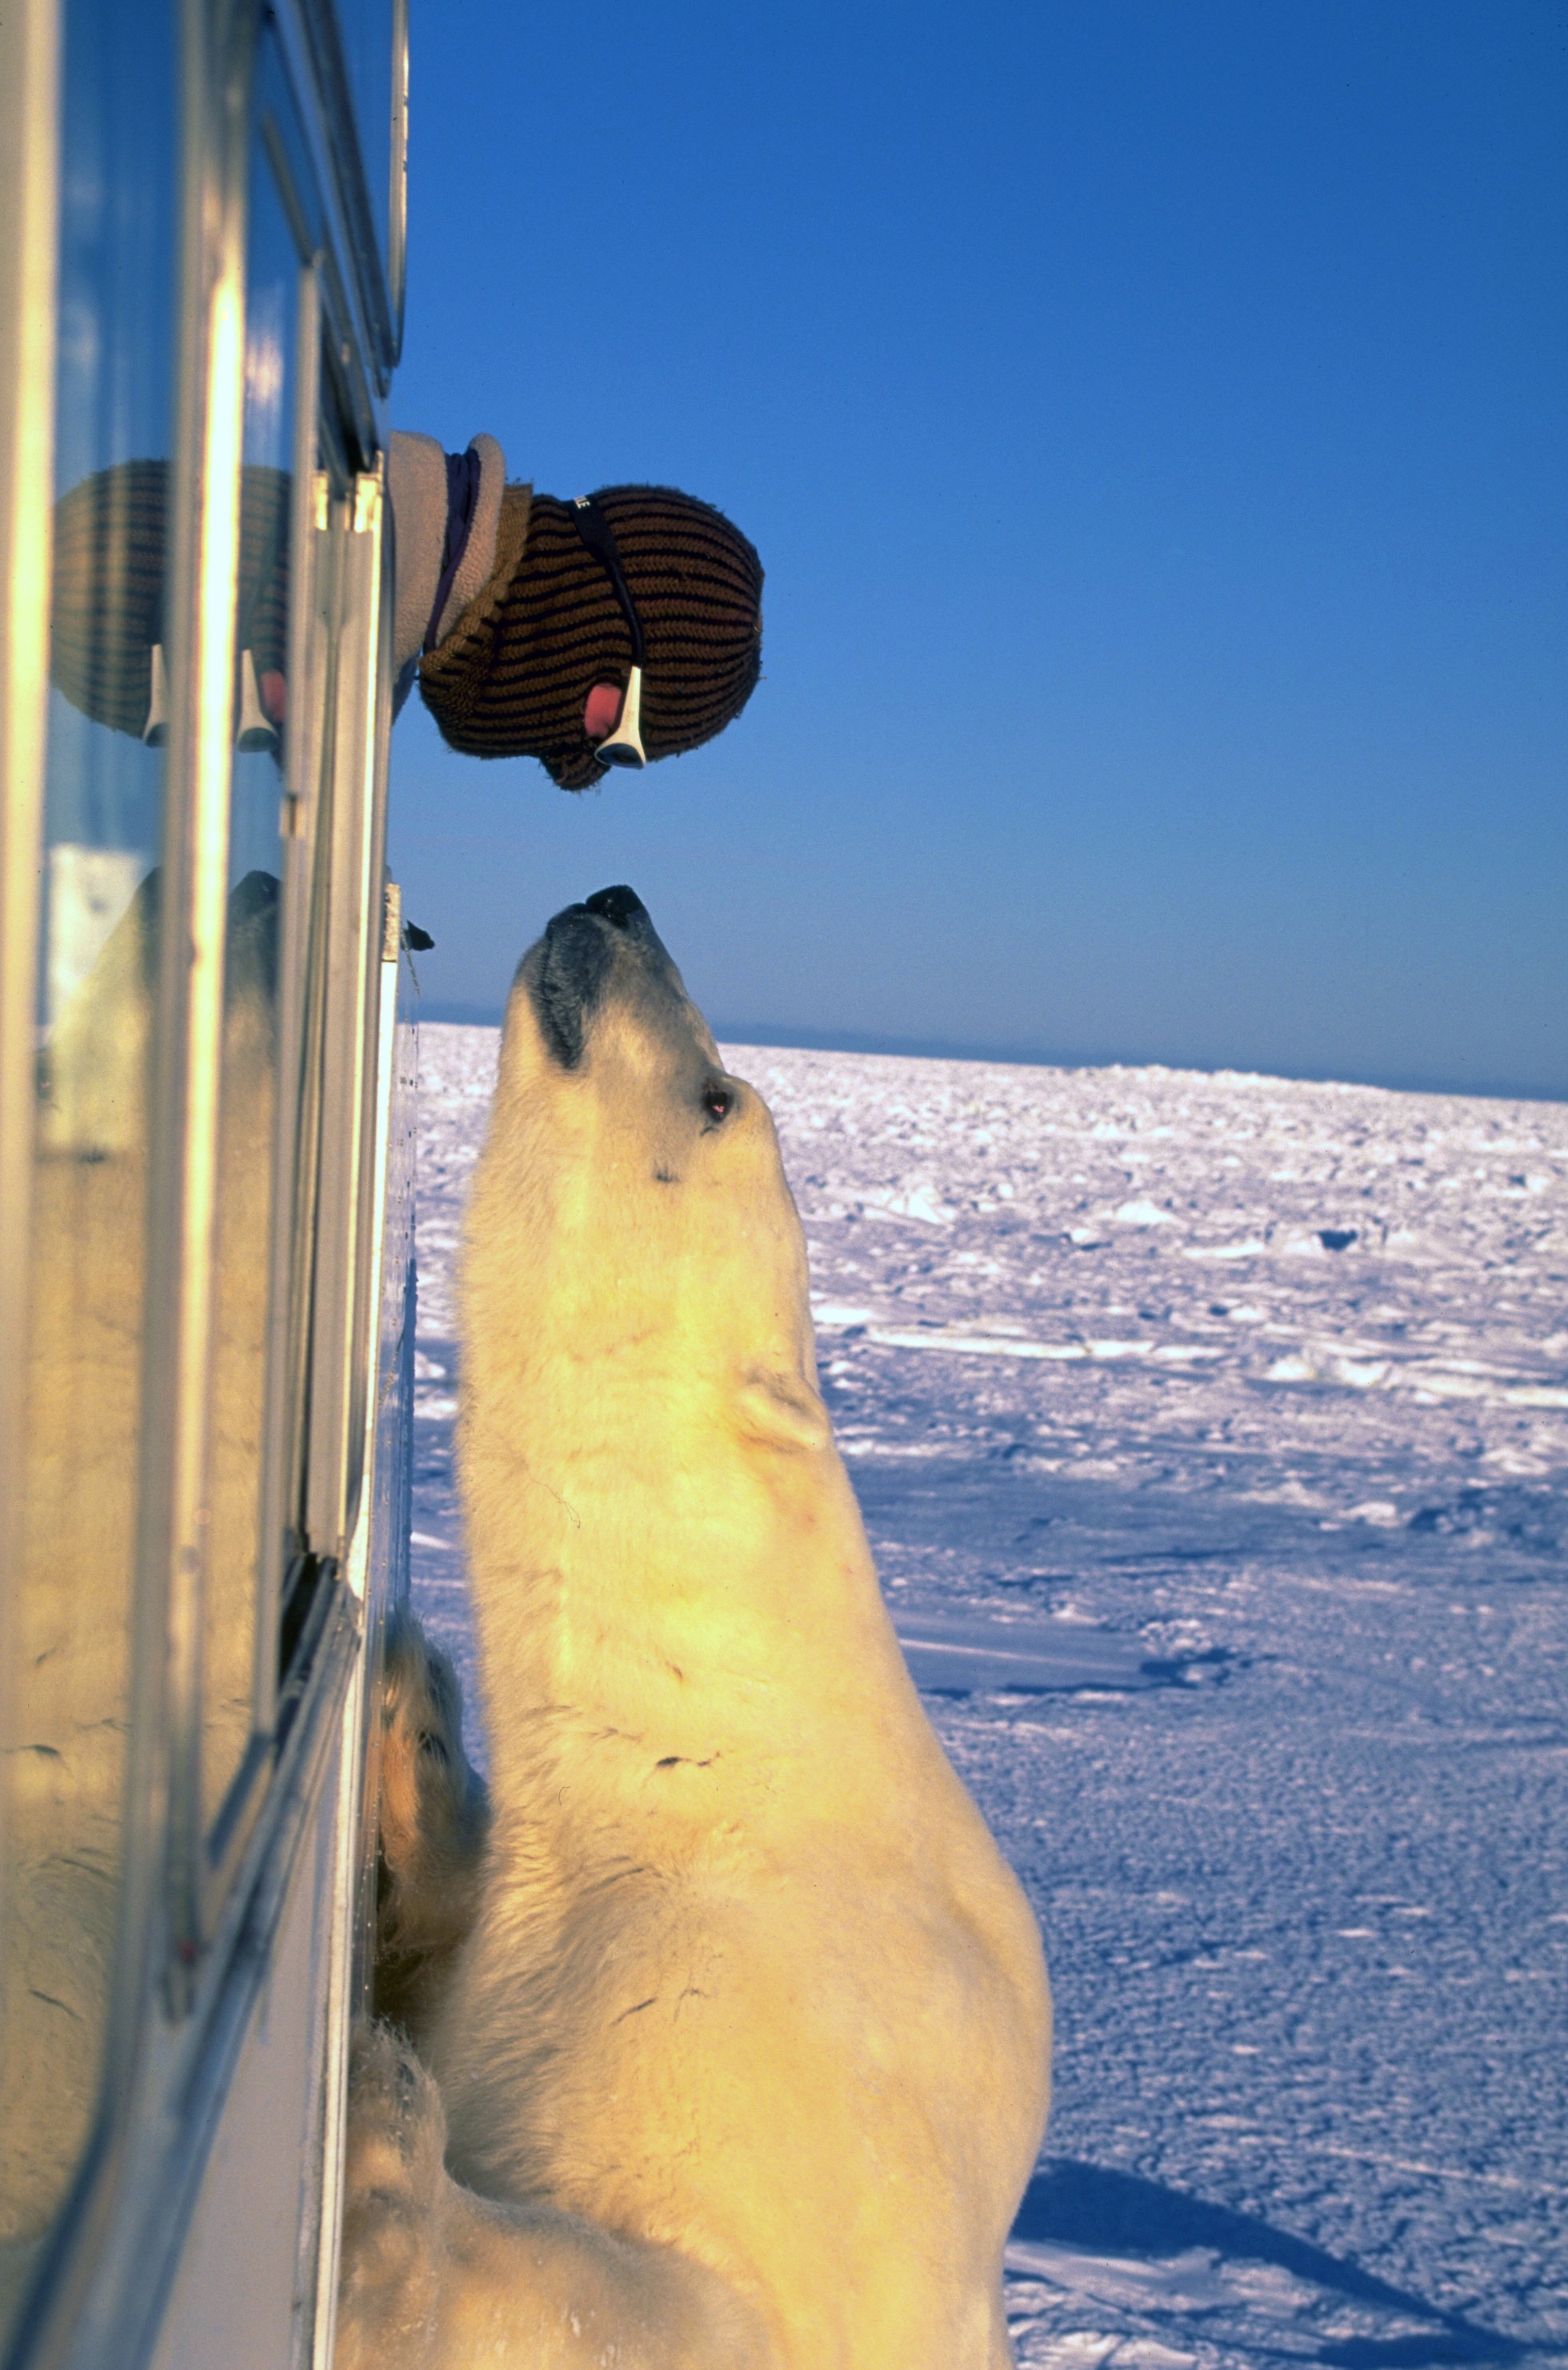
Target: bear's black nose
621	905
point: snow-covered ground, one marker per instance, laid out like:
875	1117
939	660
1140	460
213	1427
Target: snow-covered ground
1211	1433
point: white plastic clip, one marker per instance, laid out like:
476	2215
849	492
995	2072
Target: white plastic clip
624	745
256	733
154	733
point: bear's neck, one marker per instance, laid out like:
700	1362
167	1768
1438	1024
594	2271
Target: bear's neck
660	1606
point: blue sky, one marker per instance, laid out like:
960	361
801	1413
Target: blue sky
1152	420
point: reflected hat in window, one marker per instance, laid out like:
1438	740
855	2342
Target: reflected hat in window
513	676
108	593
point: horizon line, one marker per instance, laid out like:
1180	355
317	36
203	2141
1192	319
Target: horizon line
443	1012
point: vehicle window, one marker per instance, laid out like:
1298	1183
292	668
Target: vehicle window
374	37
64	1770
242	1562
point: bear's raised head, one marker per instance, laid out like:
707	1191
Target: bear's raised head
633	1240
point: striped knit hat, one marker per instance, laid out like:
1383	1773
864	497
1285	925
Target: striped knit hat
511	678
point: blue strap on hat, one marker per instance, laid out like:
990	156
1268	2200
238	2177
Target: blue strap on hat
462	475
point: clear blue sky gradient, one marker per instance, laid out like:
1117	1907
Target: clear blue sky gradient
1152	418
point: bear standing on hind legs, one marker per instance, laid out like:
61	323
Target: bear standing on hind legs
745	2059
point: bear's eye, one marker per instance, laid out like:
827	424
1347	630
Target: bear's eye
716	1101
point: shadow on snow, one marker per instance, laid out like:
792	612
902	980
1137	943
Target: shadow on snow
1099	2211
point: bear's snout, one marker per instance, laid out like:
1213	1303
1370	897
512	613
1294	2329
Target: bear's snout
575	960
621	906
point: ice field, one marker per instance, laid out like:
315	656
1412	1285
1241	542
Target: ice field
1211	1433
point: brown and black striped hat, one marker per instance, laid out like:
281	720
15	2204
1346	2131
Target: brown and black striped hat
511	678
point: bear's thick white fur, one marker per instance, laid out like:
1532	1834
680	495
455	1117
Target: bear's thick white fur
746	2058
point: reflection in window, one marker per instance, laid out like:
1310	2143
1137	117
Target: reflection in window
64	1762
241	1563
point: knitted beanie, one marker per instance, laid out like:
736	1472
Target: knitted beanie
512	676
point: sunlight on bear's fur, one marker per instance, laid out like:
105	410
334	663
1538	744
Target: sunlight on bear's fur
745	2059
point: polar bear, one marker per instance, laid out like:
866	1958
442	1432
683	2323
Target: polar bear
744	2064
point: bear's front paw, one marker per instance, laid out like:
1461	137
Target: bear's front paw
390	2274
435	1818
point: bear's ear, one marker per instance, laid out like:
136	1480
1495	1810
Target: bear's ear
783	1409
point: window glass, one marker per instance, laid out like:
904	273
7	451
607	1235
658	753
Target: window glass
241	1562
369	28
68	1684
